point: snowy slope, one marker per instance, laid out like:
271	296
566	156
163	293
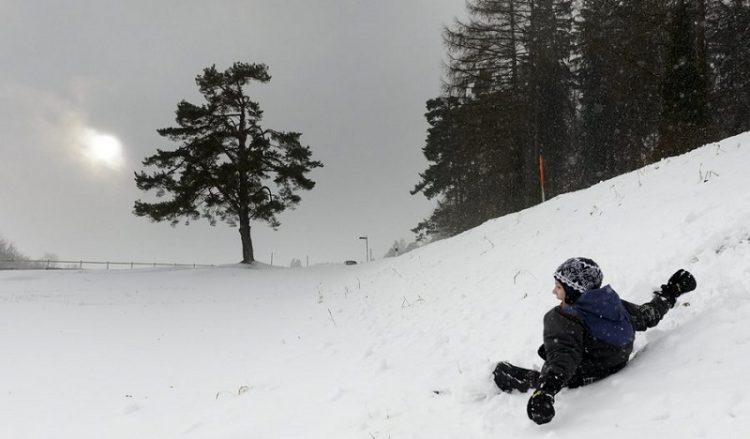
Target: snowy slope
357	351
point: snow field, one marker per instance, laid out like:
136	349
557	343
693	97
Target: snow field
359	351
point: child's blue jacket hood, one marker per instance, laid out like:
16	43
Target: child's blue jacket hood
604	316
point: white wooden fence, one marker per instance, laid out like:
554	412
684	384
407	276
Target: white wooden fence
17	264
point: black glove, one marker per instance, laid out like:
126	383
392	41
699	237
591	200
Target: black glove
680	283
541	407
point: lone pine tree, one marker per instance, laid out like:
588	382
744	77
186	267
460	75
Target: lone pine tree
226	164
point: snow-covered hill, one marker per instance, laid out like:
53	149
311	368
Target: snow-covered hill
358	351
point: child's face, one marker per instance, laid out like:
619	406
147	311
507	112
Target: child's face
559	291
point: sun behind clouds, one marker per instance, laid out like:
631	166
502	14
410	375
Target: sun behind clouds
102	149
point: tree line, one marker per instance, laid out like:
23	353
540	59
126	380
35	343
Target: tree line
542	97
11	258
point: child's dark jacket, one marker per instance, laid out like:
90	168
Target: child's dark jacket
587	340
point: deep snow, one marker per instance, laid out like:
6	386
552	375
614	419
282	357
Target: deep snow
358	351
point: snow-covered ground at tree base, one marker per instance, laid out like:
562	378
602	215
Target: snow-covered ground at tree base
348	352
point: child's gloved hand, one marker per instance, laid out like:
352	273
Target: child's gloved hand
680	283
541	407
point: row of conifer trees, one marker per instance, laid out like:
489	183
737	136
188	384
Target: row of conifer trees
547	96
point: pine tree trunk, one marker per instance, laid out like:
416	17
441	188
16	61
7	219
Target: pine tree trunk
700	36
514	48
247	242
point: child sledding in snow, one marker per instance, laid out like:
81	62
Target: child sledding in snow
588	337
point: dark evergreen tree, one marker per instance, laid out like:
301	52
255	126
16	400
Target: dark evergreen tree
548	39
487	58
618	76
486	52
509	82
728	34
685	119
446	179
226	162
597	74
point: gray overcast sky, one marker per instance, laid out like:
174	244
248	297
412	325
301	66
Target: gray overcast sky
351	75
